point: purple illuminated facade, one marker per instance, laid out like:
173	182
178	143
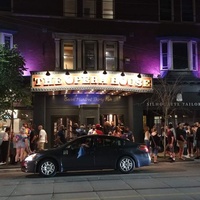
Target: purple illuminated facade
158	38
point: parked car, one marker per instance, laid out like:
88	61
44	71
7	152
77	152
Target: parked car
91	152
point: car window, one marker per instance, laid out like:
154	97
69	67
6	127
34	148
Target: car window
108	142
81	142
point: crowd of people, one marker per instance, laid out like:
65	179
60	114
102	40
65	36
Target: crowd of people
180	142
107	129
16	146
22	144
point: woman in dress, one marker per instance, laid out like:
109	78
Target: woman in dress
22	144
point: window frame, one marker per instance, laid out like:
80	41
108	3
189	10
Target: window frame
104	12
73	43
85	42
193	14
192	56
93	12
60	38
115	55
171	11
3	35
69	2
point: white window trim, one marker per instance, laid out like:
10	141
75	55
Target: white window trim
170	54
2	38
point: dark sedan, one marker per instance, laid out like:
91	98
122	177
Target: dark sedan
91	152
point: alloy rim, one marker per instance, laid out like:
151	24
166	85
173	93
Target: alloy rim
126	164
48	168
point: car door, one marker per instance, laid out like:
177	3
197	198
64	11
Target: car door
79	155
106	152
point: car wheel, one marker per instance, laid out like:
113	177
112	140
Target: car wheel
126	164
47	168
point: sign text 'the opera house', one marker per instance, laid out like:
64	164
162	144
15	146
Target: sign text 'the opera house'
92	80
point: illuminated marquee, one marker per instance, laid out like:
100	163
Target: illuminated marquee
92	80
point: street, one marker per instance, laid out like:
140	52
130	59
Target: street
165	180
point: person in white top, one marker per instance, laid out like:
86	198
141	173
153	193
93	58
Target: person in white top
147	137
92	130
42	137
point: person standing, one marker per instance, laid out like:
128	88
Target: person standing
60	136
92	130
170	143
42	138
98	130
33	139
197	140
147	136
4	146
181	140
21	145
128	134
155	142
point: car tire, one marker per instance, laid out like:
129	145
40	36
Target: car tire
47	168
126	164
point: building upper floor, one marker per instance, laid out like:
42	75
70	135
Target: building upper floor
183	11
143	39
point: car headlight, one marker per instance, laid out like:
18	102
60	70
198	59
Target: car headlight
31	157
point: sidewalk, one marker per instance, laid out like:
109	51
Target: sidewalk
162	158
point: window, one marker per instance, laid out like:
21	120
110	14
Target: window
77	52
90	54
187	10
194	56
178	55
165	10
5	5
6	39
107	6
110	50
69	61
70	8
89	8
108	142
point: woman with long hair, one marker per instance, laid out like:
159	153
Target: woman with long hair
22	144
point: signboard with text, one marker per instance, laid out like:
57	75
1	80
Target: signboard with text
92	80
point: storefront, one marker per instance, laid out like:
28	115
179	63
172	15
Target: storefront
185	110
88	99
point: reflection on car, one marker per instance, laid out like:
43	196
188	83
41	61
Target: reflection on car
91	152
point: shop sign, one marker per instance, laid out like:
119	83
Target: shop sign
92	80
174	104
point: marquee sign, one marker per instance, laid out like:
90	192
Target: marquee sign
95	80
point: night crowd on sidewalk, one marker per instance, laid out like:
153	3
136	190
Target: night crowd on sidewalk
180	142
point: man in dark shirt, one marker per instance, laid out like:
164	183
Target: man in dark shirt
170	143
60	138
180	136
